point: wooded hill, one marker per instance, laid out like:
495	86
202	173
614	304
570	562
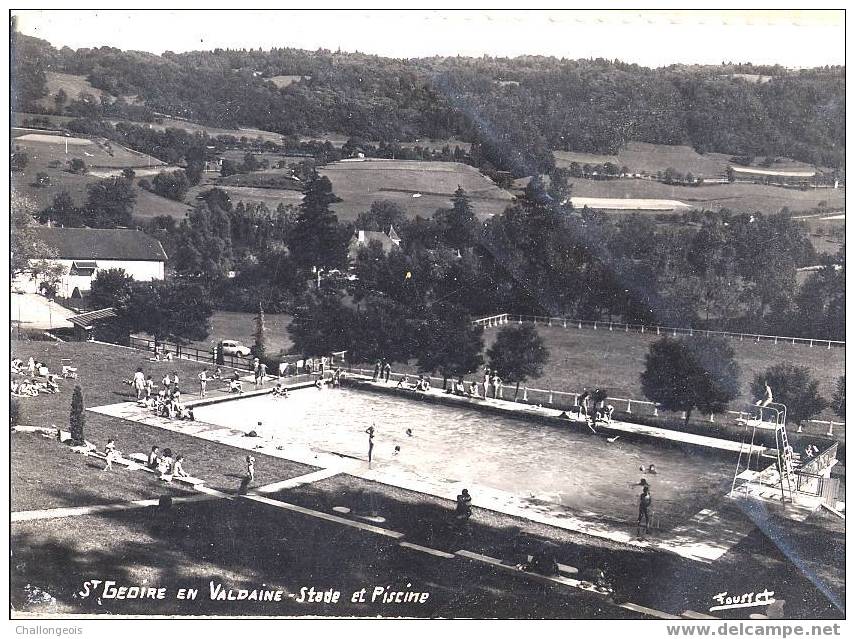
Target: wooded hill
516	110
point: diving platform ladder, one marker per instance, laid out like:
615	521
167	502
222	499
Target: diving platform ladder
772	416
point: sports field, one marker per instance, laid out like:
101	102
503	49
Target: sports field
614	360
747	198
420	187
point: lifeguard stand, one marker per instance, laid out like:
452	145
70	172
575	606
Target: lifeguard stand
772	416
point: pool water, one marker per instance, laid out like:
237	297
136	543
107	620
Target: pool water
528	459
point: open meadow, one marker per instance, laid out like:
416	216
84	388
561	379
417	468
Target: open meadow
740	197
106	158
73	85
420	187
614	360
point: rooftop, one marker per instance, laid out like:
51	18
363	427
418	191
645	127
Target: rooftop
101	244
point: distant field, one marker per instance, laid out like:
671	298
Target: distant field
619	204
641	157
737	197
282	81
271	197
826	230
73	85
96	153
613	360
420	187
436	144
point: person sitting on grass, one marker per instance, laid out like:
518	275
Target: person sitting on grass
236	386
218	374
153	457
178	467
164	464
404	382
463	509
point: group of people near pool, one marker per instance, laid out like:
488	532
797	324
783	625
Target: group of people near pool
166	402
33	377
165	464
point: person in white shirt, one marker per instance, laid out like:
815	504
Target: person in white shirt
139	383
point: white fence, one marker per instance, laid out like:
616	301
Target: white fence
566	322
564	400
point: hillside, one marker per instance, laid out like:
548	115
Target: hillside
517	110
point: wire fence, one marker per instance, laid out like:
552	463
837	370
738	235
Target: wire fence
565	322
564	400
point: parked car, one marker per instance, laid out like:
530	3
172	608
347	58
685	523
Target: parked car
231	347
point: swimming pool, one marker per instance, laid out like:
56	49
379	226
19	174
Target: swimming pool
527	459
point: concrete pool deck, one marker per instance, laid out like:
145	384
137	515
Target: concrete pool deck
704	537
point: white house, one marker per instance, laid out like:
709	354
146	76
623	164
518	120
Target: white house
83	252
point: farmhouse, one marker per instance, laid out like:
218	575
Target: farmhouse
387	241
81	253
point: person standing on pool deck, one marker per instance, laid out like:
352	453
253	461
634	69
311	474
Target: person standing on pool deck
262	372
370	432
387	372
203	382
376	371
644	502
250	468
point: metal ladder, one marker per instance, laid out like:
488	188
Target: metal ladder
785	465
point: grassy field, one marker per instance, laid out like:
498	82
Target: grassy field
614	360
105	157
641	157
420	187
241	327
282	81
737	197
826	231
73	85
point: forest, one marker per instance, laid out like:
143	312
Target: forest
517	110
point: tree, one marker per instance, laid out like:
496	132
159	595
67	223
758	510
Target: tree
62	212
260	347
60	99
77	166
18	160
460	224
77	418
128	173
28	254
322	324
110	203
317	239
178	310
382	215
794	387
688	373
171	184
112	287
518	354
204	244
838	401
449	342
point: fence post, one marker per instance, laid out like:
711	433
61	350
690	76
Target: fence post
580	324
610	326
655	410
525	393
629	406
811	343
595	326
550	397
776	339
626	328
684	415
565	326
549	323
830	432
642	329
829	346
741	337
657	330
575	399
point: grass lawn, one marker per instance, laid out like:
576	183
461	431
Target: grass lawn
96	154
101	369
245	545
614	360
737	197
241	327
420	187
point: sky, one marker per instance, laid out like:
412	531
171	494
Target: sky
792	38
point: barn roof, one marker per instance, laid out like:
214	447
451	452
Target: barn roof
101	244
